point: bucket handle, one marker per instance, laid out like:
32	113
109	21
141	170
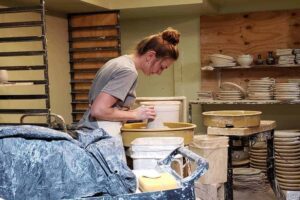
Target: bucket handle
201	163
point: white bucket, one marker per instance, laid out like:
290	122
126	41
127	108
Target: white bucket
215	150
166	111
146	152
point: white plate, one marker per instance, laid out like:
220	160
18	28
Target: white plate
294	134
246	171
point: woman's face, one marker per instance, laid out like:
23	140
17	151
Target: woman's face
157	65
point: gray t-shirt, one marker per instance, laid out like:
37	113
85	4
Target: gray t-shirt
118	77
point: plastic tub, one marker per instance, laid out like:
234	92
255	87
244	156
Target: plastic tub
215	150
146	152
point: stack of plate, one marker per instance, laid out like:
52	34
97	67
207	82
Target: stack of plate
287	91
261	89
220	60
229	95
205	95
287	159
258	156
248	178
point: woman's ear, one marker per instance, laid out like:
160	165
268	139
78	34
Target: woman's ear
150	55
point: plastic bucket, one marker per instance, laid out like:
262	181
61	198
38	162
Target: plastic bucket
166	111
145	152
215	150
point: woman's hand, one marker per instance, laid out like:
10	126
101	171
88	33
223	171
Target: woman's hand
145	112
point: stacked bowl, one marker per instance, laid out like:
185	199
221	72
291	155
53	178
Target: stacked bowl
287	159
220	60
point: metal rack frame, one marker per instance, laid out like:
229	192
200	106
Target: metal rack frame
40	38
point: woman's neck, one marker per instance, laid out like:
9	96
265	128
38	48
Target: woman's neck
137	60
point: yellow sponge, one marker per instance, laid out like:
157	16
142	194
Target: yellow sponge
164	182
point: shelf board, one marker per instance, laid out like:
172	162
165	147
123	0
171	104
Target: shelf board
21	24
96	38
80	101
29	67
18	124
21	39
245	102
22	53
254	66
20	96
21	9
104	27
23	111
93	49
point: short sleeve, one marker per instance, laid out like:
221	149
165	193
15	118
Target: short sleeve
120	84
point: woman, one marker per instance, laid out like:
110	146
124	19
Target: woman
113	89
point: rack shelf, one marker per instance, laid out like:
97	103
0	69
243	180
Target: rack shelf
98	38
41	52
21	9
21	39
243	102
94	38
253	66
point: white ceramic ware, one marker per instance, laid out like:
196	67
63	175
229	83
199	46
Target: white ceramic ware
245	60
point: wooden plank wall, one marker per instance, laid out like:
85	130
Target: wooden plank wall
91	30
249	33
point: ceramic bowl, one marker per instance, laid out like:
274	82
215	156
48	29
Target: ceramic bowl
245	60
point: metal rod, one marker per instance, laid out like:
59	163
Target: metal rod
21	9
37	96
21	24
45	59
35	82
71	63
22	53
21	39
16	68
20	111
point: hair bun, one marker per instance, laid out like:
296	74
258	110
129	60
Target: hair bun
171	35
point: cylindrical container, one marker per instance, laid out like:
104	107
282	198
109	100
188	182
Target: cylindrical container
166	111
146	152
3	76
215	150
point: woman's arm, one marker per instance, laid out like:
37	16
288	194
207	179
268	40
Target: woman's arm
102	109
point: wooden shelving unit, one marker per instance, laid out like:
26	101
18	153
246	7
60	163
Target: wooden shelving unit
94	38
248	33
